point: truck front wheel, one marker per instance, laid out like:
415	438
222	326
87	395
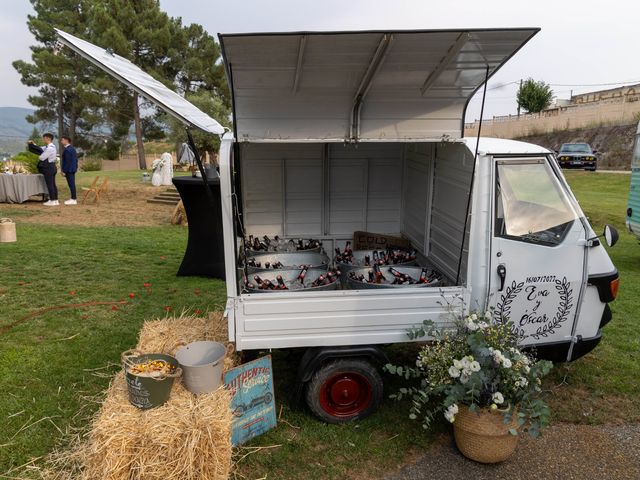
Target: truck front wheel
344	390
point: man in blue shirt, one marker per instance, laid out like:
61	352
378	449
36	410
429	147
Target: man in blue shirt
69	167
47	167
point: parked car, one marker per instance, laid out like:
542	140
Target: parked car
577	155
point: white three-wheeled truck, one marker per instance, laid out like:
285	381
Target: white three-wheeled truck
336	132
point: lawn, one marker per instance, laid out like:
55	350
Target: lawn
53	363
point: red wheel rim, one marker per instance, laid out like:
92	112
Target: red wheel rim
345	394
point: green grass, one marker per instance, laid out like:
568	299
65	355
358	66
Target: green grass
47	363
604	386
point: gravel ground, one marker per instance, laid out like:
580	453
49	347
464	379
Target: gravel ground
565	452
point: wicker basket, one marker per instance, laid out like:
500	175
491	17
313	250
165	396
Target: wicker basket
483	436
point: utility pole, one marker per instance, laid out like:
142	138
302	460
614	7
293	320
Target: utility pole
519	102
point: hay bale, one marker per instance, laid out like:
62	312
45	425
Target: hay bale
187	438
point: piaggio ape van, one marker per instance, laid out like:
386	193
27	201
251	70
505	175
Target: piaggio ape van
336	132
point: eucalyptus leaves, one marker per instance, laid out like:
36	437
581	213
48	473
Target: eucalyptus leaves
477	364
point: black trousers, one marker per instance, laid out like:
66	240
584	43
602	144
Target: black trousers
49	171
71	181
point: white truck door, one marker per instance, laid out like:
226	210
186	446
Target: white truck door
537	251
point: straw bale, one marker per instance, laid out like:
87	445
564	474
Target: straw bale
187	438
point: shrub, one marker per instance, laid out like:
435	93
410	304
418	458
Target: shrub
28	160
91	165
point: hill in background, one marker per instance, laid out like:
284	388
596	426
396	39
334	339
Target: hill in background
14	129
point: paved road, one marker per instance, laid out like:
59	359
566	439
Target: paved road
565	452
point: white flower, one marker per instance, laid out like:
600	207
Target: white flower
449	416
474	366
453	408
487	314
506	363
524	382
457	364
497	398
465	362
483	325
471	326
474	317
494	406
418	363
454	372
527	369
464	378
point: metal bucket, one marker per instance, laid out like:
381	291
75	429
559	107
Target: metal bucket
202	365
284	246
148	392
289	261
358	262
413	272
290	278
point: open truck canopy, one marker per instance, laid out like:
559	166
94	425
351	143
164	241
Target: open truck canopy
384	86
337	86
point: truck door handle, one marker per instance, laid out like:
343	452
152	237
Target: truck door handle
502	273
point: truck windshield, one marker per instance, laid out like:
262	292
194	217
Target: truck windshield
575	148
530	203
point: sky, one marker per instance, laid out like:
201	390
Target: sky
583	43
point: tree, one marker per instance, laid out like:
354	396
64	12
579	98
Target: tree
212	105
141	32
534	96
64	80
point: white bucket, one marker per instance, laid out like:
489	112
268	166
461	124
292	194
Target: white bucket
202	365
7	230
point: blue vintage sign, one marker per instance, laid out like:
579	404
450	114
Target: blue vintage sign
253	405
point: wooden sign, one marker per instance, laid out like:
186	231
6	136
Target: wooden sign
376	241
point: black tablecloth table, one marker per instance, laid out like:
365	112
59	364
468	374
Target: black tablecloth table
205	248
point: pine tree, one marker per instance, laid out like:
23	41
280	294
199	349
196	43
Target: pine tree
64	81
139	31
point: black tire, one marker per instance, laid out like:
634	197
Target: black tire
358	376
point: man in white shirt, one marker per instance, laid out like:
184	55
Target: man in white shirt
47	167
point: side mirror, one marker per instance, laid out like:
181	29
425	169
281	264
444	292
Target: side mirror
610	235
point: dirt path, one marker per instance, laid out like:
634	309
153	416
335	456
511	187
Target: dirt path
565	452
128	207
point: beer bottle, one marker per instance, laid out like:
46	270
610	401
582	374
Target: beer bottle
300	244
267	264
395	272
370	276
267	241
347	248
281	284
302	274
367	260
251	286
257	279
423	276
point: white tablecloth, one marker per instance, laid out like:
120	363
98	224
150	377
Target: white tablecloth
18	188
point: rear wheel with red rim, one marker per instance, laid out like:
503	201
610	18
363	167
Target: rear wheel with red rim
344	390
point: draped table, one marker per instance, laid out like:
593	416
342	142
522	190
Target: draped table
19	187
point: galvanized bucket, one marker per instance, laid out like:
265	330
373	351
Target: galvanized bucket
313	260
284	246
202	365
358	262
290	279
148	392
413	272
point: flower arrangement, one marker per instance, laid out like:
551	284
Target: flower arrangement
476	364
157	164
